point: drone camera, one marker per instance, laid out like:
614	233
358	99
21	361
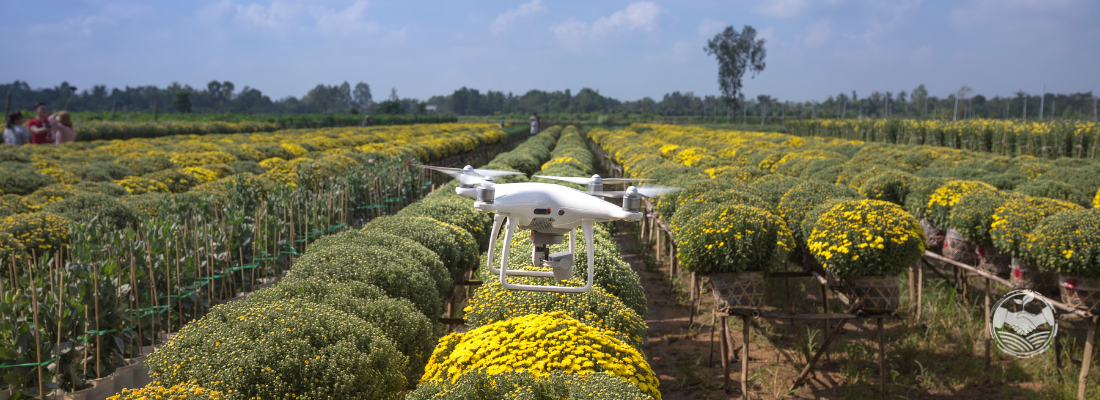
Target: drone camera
562	263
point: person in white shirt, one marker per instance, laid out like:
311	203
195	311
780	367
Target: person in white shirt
62	126
15	133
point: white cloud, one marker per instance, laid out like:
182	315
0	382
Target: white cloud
505	19
641	15
710	27
570	33
637	15
781	8
110	14
396	36
818	33
287	16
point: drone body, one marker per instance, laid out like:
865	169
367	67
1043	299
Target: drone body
549	211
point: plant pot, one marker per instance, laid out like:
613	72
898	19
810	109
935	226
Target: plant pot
933	236
141	374
878	295
124	376
1080	293
77	395
1024	276
957	248
102	388
993	261
741	289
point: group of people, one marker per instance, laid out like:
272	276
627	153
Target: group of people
44	128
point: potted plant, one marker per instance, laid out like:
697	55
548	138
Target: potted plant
916	202
1010	230
972	217
940	204
1065	244
734	245
866	244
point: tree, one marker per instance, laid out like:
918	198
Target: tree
182	101
920	95
361	96
736	52
963	91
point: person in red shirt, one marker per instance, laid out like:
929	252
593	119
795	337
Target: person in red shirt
41	132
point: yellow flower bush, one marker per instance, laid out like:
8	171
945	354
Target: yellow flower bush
539	344
140	185
1068	243
596	308
41	232
866	238
945	197
190	391
733	238
1013	222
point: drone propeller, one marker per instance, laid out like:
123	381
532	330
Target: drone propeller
645	191
595	179
469	175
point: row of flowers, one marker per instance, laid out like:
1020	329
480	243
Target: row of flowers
1051	139
548	345
133	267
753	201
355	318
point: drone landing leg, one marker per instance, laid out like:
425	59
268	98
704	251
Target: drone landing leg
512	225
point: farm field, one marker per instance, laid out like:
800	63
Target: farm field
321	263
807	183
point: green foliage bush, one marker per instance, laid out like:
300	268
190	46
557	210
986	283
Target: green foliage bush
85	206
280	349
916	203
395	274
892	186
972	216
22	179
803	198
455	248
402	247
456	210
1013	222
410	331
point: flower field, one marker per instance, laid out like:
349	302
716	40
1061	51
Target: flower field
107	247
1006	138
841	198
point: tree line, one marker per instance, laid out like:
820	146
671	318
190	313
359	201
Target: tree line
223	97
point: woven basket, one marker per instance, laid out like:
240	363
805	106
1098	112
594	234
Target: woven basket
743	289
933	236
879	295
993	261
1080	293
1024	276
957	248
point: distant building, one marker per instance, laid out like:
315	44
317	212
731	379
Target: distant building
433	108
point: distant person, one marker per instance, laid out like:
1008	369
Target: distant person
62	125
502	124
15	133
366	121
534	123
41	132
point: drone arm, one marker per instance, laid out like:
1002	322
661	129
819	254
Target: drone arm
586	226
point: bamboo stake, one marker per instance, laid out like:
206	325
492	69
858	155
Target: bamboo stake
1086	359
37	338
745	332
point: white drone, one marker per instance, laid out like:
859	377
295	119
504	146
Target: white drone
549	211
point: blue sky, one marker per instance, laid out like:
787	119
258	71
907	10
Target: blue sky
625	49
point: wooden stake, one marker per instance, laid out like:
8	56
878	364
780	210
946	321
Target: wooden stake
881	361
1086	359
988	338
37	338
745	333
725	354
920	290
694	290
